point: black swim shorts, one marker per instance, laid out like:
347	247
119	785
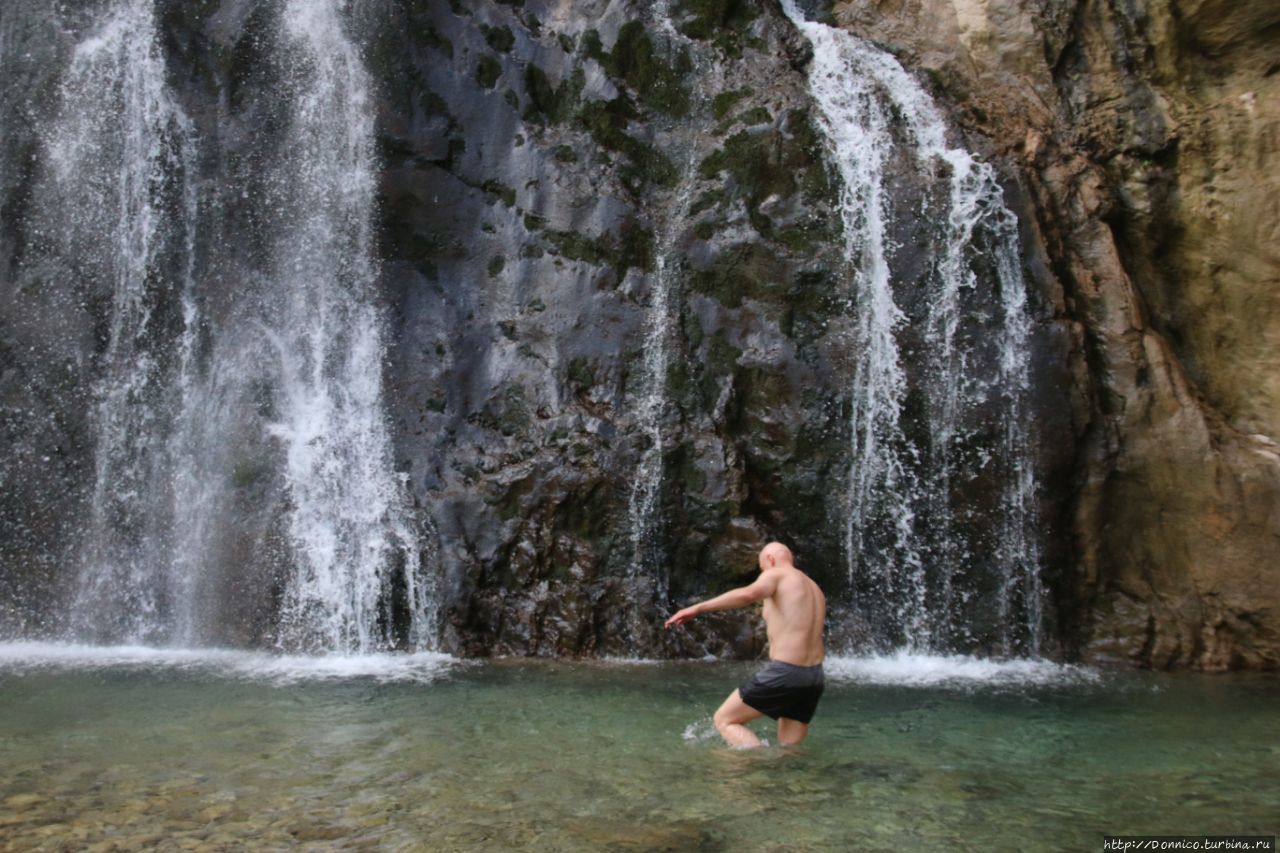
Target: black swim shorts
784	690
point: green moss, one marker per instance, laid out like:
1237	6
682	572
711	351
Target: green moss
778	162
501	190
722	103
711	199
533	222
633	247
430	37
755	115
435	404
706	230
746	271
457	147
512	99
590	46
581	374
500	39
607	121
556	104
722	22
691	326
566	154
508	415
566	42
632	61
247	473
531	250
681	463
720	362
496	265
488	70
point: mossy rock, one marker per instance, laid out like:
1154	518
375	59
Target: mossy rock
607	123
488	70
780	163
632	247
501	190
549	103
500	39
724	102
724	23
581	374
744	271
633	63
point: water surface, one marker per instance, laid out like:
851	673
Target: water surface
227	750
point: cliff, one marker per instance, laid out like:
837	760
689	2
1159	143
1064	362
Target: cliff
1145	133
621	343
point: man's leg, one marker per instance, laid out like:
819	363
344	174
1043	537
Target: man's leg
791	732
729	721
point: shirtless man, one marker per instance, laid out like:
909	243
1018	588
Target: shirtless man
788	688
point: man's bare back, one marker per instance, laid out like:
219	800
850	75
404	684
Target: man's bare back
787	689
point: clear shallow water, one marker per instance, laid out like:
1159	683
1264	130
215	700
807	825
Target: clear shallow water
227	750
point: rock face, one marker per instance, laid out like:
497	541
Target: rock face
1145	134
618	363
567	189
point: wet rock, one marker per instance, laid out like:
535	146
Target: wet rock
1141	140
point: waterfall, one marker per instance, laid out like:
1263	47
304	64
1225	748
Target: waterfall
218	406
938	393
119	158
643	511
351	535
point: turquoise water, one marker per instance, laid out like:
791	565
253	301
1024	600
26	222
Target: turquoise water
192	751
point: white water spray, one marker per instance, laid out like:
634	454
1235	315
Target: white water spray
348	525
119	158
902	538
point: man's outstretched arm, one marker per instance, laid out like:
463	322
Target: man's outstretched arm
764	586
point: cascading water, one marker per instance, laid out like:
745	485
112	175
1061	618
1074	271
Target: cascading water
643	510
216	407
350	533
119	161
938	391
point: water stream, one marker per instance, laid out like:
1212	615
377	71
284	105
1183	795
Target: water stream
222	390
941	375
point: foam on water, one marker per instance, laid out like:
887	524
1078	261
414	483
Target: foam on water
419	667
908	669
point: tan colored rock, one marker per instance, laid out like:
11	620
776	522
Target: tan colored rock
1148	138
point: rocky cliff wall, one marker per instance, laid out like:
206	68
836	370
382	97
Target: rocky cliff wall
566	184
1146	136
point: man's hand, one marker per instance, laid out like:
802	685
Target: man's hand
681	617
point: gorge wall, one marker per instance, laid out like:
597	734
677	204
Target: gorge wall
617	321
1146	134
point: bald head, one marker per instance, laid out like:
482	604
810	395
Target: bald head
774	555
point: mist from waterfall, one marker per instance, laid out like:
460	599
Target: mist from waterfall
223	391
938	399
116	202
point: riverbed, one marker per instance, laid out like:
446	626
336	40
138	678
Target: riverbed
231	750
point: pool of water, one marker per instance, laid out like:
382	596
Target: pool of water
185	750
